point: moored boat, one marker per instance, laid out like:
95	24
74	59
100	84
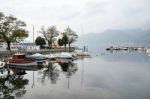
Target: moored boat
62	55
37	57
2	64
82	53
52	56
20	59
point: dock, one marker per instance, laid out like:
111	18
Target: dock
126	48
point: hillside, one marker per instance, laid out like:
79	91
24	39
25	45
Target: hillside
116	36
97	41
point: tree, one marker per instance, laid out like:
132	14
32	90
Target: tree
65	40
49	34
71	35
60	42
11	29
40	41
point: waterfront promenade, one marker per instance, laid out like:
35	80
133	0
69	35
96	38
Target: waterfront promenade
4	53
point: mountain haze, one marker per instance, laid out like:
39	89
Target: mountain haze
96	41
116	36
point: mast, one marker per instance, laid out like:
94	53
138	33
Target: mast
33	33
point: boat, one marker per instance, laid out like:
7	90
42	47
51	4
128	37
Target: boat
62	55
37	57
2	64
52	56
81	53
65	55
148	51
110	48
20	59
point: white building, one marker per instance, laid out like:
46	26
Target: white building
20	46
29	46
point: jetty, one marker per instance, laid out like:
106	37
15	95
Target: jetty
111	48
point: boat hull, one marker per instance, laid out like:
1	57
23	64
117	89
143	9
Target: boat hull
24	64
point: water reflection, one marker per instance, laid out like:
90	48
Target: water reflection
53	71
12	83
69	69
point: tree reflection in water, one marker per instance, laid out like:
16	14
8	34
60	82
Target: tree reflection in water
12	85
52	73
69	68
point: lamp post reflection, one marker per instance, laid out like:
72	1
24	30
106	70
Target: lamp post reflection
69	68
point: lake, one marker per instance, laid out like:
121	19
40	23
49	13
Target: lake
108	75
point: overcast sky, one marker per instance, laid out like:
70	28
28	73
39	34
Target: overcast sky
83	16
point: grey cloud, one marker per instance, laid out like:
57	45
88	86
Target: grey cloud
68	12
94	8
95	15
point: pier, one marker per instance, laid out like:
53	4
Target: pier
126	48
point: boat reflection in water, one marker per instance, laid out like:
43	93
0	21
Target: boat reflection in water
12	83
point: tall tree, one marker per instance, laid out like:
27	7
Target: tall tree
60	42
49	34
40	41
71	35
65	40
11	29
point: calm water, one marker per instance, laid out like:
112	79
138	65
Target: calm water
119	75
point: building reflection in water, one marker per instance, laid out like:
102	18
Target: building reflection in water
12	83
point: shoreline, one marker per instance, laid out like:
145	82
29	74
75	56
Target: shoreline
4	53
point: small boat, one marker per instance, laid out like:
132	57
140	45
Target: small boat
52	56
62	55
20	59
65	55
2	64
37	57
148	51
110	48
82	53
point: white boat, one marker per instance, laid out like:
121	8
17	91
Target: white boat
65	55
52	56
148	51
62	55
2	64
81	53
38	55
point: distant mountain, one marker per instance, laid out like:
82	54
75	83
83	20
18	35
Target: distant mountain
116	36
110	37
